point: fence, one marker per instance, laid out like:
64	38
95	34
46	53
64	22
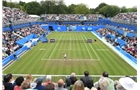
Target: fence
55	78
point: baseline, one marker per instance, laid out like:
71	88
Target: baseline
72	59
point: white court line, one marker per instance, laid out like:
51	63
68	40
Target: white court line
70	40
42	49
102	49
93	50
86	48
72	59
55	46
47	49
46	52
70	49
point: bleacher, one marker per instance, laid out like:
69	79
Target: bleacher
28	32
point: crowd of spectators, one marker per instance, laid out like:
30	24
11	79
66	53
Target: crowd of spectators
130	47
8	43
93	17
49	17
125	18
9	38
69	83
121	28
71	17
130	17
14	16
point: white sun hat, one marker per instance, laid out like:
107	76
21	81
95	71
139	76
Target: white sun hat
128	83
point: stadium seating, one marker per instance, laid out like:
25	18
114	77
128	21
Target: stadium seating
21	29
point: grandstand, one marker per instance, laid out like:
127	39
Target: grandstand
24	51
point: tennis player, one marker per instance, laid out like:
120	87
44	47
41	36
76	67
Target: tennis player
65	56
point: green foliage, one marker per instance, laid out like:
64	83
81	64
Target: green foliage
71	8
4	3
133	9
123	9
92	10
59	7
100	6
81	9
32	7
109	10
21	3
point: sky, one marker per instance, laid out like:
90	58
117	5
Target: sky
94	3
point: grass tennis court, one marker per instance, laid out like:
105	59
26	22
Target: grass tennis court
47	58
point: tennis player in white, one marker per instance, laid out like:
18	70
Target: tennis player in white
65	56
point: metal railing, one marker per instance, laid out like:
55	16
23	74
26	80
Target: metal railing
129	22
55	78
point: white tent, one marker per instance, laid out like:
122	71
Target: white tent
35	16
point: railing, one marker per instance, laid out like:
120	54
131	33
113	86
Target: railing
55	78
132	22
129	22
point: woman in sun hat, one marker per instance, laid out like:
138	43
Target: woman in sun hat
128	83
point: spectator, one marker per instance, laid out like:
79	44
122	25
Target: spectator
73	80
33	84
3	88
18	82
119	87
105	82
128	83
60	85
39	85
78	85
68	79
8	82
26	85
86	79
105	74
50	86
89	84
48	80
28	78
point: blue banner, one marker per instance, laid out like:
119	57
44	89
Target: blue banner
22	41
6	29
11	57
20	50
7	59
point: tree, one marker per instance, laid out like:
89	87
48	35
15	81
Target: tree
109	10
133	9
62	8
100	6
123	9
92	10
4	3
81	9
71	8
32	7
21	3
44	6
